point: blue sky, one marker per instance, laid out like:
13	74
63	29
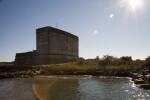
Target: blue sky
113	27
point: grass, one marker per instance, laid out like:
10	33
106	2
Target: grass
6	63
68	67
121	67
76	67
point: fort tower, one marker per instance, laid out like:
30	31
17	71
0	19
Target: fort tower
53	46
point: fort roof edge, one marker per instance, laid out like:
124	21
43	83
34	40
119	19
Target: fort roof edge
47	28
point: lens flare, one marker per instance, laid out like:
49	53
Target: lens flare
135	3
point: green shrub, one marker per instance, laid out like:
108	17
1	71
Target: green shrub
147	59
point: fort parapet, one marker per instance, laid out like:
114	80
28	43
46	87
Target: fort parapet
52	46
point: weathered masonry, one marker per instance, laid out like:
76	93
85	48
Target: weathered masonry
53	46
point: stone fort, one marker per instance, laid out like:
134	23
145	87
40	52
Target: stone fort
52	46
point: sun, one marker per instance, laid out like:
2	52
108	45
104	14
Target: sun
135	3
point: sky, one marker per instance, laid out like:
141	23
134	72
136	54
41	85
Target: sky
104	27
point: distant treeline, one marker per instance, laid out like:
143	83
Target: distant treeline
6	63
106	61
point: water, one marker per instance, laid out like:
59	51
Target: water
71	88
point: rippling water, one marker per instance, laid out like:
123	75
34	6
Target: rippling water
71	88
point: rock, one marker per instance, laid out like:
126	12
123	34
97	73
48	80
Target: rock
38	72
139	81
32	73
26	76
145	86
139	76
12	74
21	76
5	75
143	73
134	75
147	78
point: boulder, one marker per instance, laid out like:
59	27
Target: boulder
145	86
38	72
139	81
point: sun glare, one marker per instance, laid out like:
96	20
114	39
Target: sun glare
135	3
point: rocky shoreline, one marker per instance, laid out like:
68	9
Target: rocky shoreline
18	72
141	77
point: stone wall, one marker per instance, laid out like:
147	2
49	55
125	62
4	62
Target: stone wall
26	58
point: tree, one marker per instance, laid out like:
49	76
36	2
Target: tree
148	59
126	58
109	60
97	58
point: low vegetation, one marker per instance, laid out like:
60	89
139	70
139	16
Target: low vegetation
6	63
105	63
110	62
69	67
